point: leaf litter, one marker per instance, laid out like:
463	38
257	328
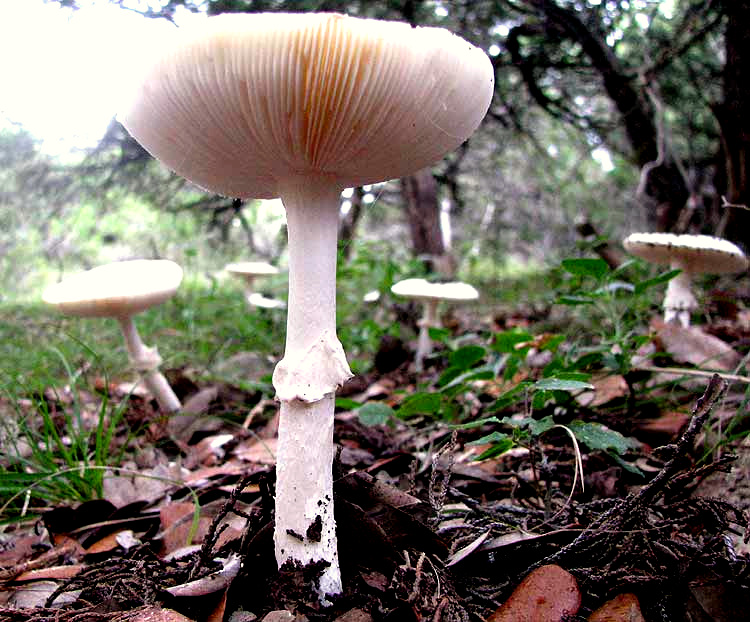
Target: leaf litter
426	532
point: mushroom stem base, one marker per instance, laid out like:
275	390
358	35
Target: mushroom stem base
305	527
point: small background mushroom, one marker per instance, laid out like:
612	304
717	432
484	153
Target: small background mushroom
693	254
431	295
120	290
249	272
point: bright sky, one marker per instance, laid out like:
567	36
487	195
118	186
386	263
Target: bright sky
61	70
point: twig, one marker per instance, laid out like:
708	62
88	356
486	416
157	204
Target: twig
692	372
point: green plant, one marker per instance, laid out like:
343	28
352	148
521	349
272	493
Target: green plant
54	454
615	308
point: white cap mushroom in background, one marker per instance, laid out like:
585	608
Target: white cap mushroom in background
301	106
249	271
693	254
431	294
120	290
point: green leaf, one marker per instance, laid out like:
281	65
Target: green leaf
439	334
537	427
420	404
573	301
510	397
598	437
345	403
561	384
585	266
480	373
466	357
507	341
642	286
375	413
477	424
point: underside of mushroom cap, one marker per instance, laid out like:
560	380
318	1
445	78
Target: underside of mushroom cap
118	289
247	99
251	268
694	253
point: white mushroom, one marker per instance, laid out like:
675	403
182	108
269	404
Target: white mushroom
120	290
301	106
431	294
249	271
693	254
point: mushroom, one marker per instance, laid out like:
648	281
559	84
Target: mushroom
120	290
249	271
302	106
692	254
431	294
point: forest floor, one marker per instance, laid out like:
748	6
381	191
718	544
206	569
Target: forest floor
545	529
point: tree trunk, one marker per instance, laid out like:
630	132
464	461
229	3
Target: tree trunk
420	192
733	115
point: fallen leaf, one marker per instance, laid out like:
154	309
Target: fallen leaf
210	583
606	389
692	345
257	451
53	572
546	595
153	614
622	608
36	593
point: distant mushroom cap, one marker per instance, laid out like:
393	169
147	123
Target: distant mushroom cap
693	253
421	289
116	289
251	268
247	100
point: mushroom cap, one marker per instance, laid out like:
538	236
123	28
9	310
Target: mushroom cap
245	101
118	289
692	253
251	268
421	289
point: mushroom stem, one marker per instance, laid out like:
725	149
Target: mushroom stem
146	361
314	365
424	342
679	300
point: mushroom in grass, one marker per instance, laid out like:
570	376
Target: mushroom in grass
692	254
431	295
120	290
249	271
302	106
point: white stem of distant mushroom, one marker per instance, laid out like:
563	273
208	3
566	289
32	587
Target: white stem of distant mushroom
146	361
679	301
313	367
424	341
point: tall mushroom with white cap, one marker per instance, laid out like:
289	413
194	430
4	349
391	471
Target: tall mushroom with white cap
121	290
431	295
693	254
301	106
